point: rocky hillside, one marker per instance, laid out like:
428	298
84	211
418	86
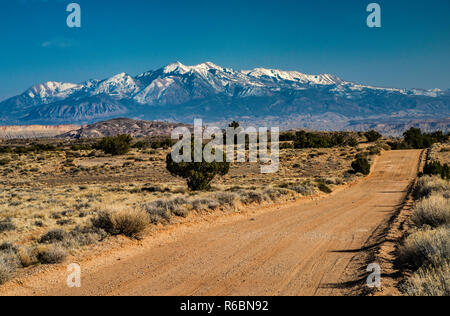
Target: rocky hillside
118	126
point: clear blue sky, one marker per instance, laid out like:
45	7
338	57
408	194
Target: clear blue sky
412	49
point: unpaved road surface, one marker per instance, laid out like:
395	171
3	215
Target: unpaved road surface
299	249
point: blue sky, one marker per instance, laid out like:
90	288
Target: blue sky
412	49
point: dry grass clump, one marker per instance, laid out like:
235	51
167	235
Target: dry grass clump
50	254
163	209
429	281
7	225
205	204
8	262
433	211
276	193
52	236
5	273
227	199
305	189
428	185
428	246
130	222
427	250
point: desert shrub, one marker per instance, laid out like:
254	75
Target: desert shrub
361	165
429	281
53	236
162	210
51	254
5	150
158	215
372	136
396	145
425	247
5	272
6	246
130	222
436	168
118	145
418	140
433	211
285	137
303	139
305	189
362	155
227	199
205	204
154	188
197	174
140	145
427	185
352	142
374	150
324	188
80	147
311	140
4	161
249	197
275	193
25	257
7	225
87	235
286	145
164	143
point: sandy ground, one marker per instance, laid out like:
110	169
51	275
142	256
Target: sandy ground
301	249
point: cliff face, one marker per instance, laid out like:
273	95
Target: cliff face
35	131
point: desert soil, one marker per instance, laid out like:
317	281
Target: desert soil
304	248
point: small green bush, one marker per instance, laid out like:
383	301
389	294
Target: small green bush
198	175
115	146
436	168
361	165
53	236
140	145
372	136
324	188
7	225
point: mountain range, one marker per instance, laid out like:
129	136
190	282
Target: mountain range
180	93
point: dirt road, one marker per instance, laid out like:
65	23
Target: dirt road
296	250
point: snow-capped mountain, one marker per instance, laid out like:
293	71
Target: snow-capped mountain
179	92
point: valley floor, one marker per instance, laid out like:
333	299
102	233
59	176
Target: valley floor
305	248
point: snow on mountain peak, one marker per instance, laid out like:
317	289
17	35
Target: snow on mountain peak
324	79
208	78
52	89
118	85
176	67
